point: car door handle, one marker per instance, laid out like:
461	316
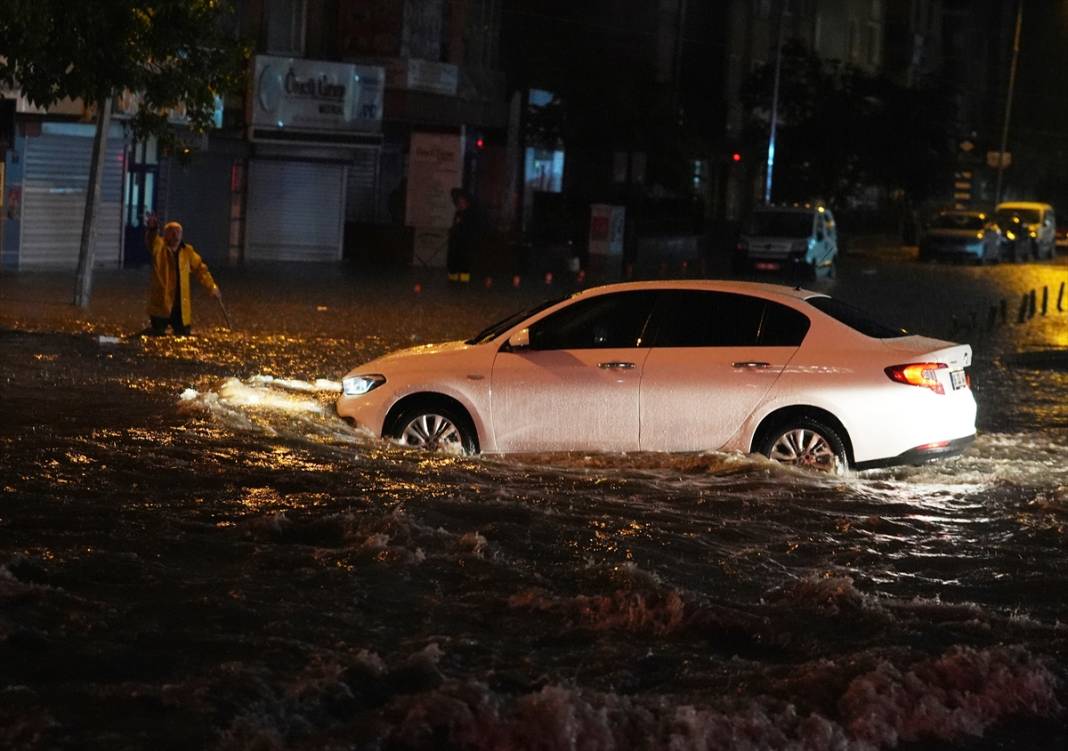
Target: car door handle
753	364
615	365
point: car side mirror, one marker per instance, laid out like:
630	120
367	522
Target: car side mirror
519	340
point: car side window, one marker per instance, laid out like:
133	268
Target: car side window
692	318
606	321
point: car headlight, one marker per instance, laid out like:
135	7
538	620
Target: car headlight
361	384
1010	234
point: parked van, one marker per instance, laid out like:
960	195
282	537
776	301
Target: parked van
1030	229
801	238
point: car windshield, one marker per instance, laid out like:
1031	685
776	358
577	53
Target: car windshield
781	224
958	221
492	332
1028	216
855	318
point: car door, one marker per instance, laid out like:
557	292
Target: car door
715	356
575	387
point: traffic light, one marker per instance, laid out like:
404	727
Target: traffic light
736	157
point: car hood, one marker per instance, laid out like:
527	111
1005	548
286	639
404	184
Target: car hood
412	354
953	234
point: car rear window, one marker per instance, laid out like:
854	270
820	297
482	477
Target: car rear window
781	224
855	318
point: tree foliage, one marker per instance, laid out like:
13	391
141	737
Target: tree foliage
175	54
841	130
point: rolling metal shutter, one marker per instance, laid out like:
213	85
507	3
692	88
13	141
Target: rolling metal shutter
53	203
295	211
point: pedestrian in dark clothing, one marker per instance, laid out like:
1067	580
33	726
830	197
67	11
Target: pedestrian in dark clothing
463	237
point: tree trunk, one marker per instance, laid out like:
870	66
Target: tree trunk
87	251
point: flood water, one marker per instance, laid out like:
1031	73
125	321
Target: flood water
196	552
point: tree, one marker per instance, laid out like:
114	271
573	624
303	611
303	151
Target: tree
842	129
172	53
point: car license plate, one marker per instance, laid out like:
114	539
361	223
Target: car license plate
766	266
957	379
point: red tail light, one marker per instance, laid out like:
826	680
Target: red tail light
918	374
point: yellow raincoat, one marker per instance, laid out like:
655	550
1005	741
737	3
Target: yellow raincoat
161	290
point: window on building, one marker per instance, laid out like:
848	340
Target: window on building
285	27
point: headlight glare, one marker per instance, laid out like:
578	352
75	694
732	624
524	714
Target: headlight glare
361	384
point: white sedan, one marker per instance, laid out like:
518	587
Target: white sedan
679	366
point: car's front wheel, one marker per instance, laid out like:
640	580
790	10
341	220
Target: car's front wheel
436	427
805	442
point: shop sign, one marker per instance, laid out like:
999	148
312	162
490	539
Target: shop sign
313	95
435	167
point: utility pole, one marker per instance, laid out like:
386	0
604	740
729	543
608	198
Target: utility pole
775	105
1008	100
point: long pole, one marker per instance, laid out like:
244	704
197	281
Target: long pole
774	107
1008	100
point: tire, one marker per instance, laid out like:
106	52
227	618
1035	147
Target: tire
435	426
806	443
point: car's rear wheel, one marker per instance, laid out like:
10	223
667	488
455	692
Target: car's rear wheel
435	427
807	443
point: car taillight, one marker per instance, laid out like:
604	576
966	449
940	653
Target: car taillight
742	246
918	374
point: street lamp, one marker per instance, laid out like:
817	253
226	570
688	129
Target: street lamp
1008	100
774	106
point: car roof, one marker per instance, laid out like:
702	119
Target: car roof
710	285
1023	205
785	208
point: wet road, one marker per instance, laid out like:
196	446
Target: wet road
195	552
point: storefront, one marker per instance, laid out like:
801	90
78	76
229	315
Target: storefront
46	182
315	136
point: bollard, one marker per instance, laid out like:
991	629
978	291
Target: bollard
1004	311
548	277
1060	299
515	281
417	288
489	282
973	320
1030	305
1045	298
991	317
1022	315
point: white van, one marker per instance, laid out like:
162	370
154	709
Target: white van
1030	230
801	239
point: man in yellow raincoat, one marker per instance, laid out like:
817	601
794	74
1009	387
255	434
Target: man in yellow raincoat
172	261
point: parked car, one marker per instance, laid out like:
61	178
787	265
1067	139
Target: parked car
959	235
679	366
1029	228
1062	235
802	239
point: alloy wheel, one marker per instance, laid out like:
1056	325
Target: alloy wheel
434	432
802	447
